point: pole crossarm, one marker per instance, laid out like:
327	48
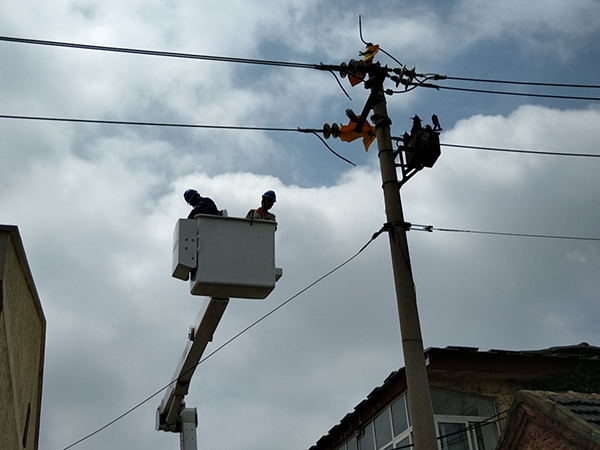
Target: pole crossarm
200	335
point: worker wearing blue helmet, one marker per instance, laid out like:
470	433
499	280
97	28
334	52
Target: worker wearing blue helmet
262	213
199	204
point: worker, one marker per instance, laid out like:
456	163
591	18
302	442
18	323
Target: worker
262	213
199	204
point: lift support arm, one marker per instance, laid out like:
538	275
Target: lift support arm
170	409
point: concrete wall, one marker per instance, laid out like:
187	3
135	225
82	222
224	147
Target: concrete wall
22	340
499	387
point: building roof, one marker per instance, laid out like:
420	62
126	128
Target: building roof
441	362
586	406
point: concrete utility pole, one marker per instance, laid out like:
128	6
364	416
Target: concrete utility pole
419	396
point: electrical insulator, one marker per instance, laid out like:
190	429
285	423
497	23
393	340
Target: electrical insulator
361	69
356	71
404	76
348	133
343	70
352	67
351	115
331	130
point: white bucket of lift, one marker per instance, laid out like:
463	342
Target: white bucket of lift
226	257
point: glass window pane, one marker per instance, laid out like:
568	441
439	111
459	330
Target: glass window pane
453	436
352	444
383	428
485	435
451	404
399	418
404	443
367	442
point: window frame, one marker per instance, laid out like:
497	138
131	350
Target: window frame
394	443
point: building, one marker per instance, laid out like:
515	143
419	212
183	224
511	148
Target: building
541	420
22	340
472	392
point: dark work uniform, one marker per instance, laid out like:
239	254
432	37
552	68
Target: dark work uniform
205	206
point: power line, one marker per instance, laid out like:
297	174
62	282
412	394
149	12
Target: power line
430	228
182	125
259	128
410	226
148	124
252	325
522	94
523	83
267	62
159	53
532	152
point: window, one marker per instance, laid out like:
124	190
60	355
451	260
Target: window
399	416
350	444
366	442
453	436
383	428
453	404
457	418
389	430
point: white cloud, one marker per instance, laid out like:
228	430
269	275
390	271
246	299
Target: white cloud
96	205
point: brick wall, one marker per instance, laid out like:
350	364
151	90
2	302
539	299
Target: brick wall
532	430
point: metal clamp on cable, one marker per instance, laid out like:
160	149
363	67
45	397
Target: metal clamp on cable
386	227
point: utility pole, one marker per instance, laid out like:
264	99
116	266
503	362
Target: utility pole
421	150
419	396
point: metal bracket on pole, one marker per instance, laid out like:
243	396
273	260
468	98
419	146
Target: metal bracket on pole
407	173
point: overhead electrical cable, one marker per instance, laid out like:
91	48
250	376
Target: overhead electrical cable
252	325
522	94
522	83
258	128
319	66
160	53
532	152
409	226
147	124
182	125
430	228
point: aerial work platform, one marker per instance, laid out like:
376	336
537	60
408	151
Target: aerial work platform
223	257
226	257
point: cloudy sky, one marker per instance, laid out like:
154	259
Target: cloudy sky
96	204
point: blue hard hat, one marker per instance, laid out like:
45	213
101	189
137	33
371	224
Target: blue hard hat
187	195
271	195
